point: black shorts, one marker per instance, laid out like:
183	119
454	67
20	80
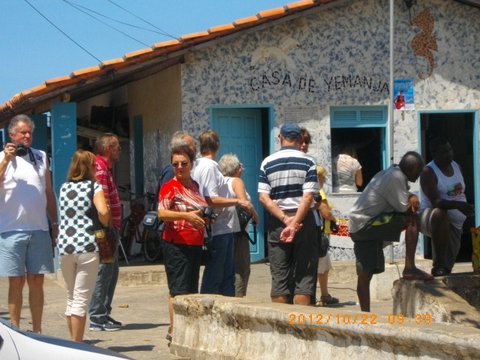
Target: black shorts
293	266
370	241
182	265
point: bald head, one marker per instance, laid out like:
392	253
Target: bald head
411	165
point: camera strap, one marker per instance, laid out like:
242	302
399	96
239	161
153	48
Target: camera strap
32	157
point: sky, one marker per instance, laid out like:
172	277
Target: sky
32	50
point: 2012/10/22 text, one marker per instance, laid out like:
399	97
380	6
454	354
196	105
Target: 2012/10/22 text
316	319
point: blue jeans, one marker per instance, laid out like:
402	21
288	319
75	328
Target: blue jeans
101	304
219	273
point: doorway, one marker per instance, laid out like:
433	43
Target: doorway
458	129
245	133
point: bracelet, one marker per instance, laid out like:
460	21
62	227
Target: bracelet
55	223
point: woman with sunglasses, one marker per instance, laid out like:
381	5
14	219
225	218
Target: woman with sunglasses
181	208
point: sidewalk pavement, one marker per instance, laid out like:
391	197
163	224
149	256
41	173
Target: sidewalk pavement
140	303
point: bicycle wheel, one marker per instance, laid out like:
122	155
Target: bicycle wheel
152	245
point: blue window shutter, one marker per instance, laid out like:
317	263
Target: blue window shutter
362	116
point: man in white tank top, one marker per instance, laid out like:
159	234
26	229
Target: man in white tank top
444	206
26	198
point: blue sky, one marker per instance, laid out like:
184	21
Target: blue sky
33	51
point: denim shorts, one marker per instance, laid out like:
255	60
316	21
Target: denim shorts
23	252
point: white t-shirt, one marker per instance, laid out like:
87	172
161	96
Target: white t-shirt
23	199
213	184
449	188
345	168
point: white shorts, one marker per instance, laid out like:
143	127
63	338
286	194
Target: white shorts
324	264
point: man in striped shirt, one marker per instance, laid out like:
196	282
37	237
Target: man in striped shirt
286	187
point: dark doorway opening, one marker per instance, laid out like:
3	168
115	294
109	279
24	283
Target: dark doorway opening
457	128
369	147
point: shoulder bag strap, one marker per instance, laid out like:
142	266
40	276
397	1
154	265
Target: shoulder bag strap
96	223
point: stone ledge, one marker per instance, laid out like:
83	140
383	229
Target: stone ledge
440	298
216	327
126	277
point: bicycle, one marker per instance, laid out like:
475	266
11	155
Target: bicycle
131	231
152	241
152	233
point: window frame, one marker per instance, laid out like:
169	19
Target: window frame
357	117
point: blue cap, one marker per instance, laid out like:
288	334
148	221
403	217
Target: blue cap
290	131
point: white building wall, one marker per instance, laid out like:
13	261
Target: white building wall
339	57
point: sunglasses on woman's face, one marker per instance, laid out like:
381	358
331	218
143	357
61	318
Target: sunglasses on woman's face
182	164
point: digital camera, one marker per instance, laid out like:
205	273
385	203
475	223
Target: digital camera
317	198
21	150
209	214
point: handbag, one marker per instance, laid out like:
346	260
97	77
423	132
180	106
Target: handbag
150	220
243	217
104	236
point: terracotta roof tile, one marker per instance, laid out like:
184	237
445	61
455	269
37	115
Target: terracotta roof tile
165	44
37	89
58	80
194	35
246	21
272	13
137	53
86	72
111	62
299	4
221	28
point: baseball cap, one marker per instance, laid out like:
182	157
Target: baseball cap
290	130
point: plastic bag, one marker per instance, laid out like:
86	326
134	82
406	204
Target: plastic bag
476	249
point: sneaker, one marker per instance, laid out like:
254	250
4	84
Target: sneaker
108	326
95	327
113	321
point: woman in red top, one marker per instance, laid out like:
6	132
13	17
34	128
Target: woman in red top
181	207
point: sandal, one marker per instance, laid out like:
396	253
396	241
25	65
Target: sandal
169	337
326	300
416	274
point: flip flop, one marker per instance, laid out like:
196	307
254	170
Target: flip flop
418	276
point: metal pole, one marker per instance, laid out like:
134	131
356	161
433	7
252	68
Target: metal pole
390	100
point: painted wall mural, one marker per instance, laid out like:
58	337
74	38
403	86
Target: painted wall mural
425	42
